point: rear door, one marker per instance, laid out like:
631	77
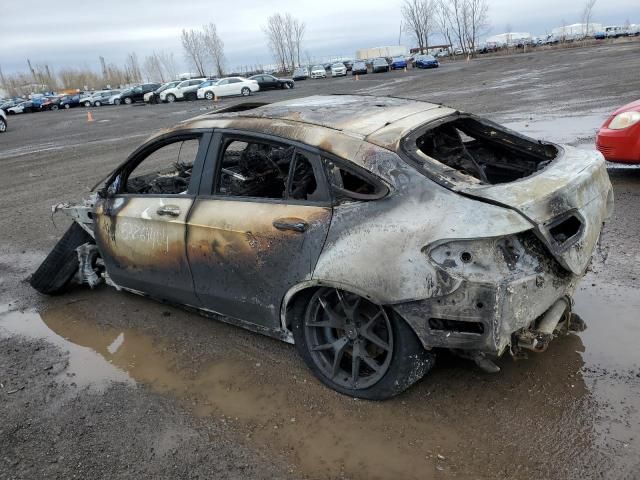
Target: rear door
141	224
258	225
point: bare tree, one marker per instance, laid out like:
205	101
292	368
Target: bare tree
419	20
168	62
153	68
132	68
214	47
284	35
194	50
442	18
476	14
299	29
587	13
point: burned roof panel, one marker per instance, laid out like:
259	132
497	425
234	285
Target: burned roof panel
359	114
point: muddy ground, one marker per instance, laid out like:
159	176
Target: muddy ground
101	384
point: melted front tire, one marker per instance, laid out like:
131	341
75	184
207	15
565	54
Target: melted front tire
357	347
57	270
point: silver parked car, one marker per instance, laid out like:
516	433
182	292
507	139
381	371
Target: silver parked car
369	231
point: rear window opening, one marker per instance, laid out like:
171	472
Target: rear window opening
480	149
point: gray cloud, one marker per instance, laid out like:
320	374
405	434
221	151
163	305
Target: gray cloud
76	36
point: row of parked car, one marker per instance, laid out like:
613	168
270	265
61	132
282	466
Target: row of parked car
191	89
361	67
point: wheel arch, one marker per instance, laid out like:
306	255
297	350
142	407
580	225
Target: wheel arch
296	299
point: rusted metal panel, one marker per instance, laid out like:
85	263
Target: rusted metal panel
242	264
142	249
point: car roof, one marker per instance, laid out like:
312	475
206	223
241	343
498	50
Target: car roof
326	121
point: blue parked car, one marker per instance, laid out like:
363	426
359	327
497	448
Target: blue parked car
600	36
426	61
398	62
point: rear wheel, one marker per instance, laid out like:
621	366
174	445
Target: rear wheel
87	103
209	95
57	270
117	101
245	91
128	100
358	348
98	103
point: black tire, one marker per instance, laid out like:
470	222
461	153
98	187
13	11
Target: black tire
117	101
3	125
209	95
128	100
67	106
97	104
171	98
54	107
87	103
245	92
55	272
409	360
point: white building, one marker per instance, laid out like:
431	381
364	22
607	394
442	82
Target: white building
509	38
577	30
393	51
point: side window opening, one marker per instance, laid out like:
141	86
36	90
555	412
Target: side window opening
303	181
167	170
254	169
482	150
348	184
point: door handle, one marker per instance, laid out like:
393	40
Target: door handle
170	210
294	224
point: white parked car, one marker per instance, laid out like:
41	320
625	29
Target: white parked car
338	70
177	93
318	71
229	86
3	121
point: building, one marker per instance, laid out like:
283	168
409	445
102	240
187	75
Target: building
509	38
375	52
576	30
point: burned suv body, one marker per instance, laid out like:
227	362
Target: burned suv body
368	231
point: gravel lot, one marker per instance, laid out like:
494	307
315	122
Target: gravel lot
101	384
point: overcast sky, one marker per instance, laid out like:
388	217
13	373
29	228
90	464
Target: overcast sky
63	35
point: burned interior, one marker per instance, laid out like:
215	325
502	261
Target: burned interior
480	149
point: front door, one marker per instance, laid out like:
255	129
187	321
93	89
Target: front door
258	228
140	225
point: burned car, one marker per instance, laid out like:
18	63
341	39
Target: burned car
369	231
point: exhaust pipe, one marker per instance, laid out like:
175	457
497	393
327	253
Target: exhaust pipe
538	338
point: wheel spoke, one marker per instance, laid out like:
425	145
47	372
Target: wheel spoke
355	363
335	317
376	340
339	353
369	361
372	321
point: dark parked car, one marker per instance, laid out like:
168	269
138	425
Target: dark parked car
136	94
359	68
267	82
50	103
380	65
69	101
426	61
398	63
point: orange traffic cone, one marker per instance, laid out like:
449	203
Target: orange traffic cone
215	98
357	77
405	69
89	117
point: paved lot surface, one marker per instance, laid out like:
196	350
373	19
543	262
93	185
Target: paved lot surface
104	384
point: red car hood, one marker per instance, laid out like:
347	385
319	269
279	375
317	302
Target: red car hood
629	107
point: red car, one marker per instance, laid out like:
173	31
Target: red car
619	137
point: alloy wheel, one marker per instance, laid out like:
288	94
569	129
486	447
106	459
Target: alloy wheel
349	338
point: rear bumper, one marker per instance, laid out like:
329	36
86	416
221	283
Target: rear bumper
482	317
620	145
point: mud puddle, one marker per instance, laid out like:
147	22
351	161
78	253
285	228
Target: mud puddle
458	422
